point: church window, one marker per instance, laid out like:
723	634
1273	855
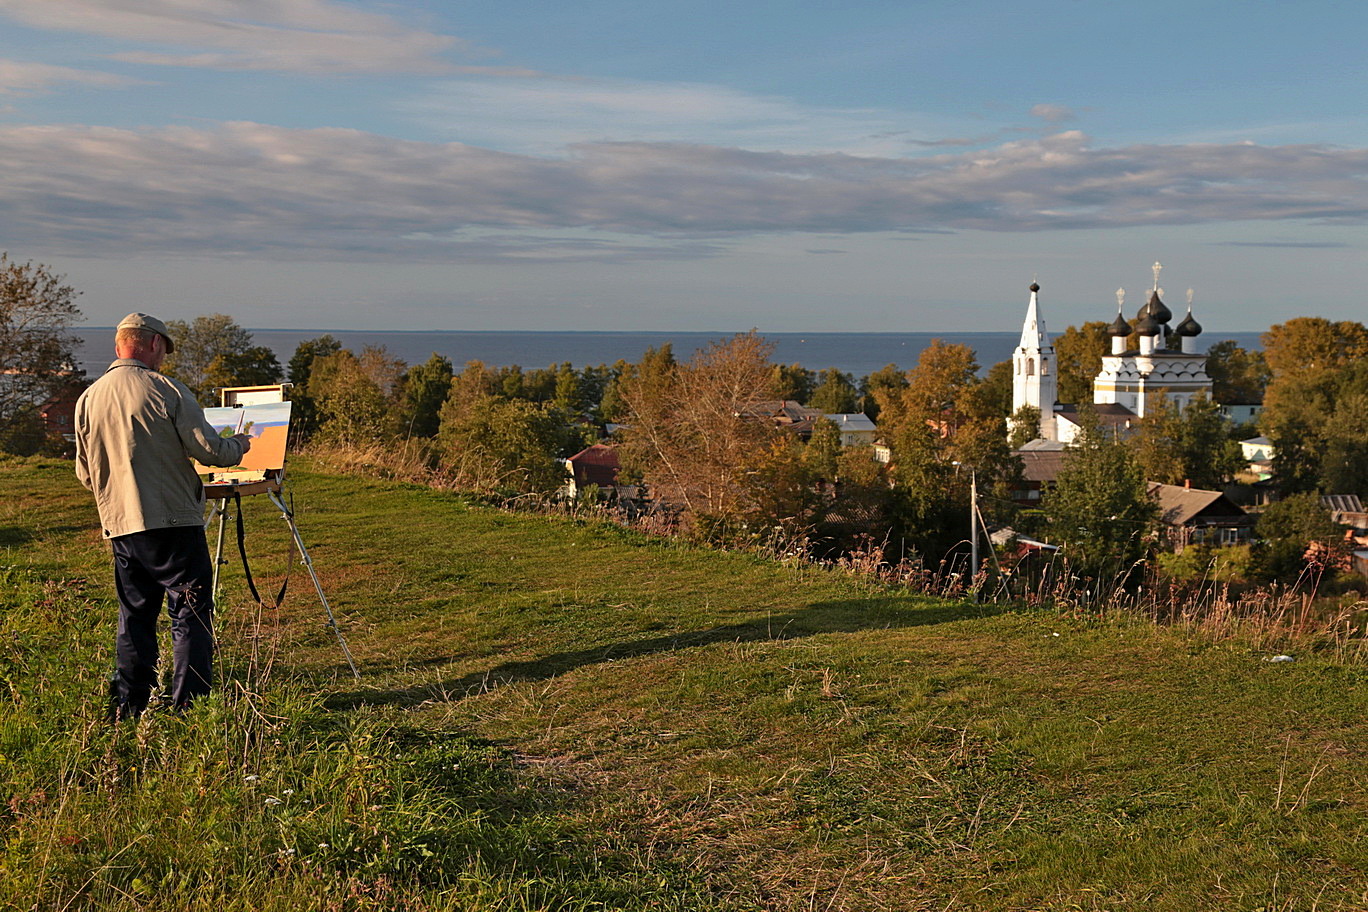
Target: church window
1030	367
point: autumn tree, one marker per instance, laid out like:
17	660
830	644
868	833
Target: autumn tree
935	444
37	347
1078	360
1319	371
883	385
472	385
694	426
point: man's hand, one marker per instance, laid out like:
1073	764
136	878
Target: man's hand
245	440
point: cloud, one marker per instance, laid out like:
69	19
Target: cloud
315	36
19	77
544	115
1052	113
246	189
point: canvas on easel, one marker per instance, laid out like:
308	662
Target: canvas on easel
268	424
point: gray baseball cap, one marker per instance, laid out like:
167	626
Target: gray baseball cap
146	321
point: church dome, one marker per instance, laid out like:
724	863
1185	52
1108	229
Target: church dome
1189	326
1158	310
1119	326
1147	326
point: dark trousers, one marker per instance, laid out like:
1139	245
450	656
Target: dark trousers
170	564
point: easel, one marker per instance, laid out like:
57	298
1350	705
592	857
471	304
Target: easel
234	486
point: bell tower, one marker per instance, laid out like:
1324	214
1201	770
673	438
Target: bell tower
1034	381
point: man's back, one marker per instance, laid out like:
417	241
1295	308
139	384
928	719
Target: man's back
136	432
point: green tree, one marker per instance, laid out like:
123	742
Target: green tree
1100	508
822	452
1289	532
568	390
1238	377
612	407
835	394
1025	426
304	415
214	351
357	396
1078	358
1344	458
1187	446
990	397
594	382
426	388
780	485
793	381
37	347
495	444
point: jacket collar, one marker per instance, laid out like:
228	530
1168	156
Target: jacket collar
128	362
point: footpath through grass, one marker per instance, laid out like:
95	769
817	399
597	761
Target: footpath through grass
556	714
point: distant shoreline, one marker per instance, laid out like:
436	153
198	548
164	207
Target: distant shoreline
855	353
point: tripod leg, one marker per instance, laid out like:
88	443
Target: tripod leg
221	509
308	563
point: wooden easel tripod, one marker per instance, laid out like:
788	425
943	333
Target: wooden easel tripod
220	493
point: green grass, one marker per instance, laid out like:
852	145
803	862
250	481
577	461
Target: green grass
556	714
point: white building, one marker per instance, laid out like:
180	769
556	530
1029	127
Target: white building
856	429
1131	381
1033	368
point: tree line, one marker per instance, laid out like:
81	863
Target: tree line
695	435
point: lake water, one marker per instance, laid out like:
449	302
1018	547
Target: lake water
854	353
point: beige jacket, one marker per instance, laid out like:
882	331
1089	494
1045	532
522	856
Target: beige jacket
136	432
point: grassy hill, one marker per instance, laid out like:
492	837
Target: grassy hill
557	714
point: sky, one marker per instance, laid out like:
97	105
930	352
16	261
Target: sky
702	166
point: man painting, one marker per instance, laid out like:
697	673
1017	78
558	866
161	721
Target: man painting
136	432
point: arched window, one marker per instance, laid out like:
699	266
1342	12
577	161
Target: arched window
1030	367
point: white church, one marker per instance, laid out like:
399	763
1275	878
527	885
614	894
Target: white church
1131	381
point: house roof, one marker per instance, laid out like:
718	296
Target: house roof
1179	506
1109	414
597	464
857	421
783	408
1257	441
1042	465
596	455
1342	503
1040	444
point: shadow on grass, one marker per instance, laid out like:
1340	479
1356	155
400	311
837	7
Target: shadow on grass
847	616
11	536
14	535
